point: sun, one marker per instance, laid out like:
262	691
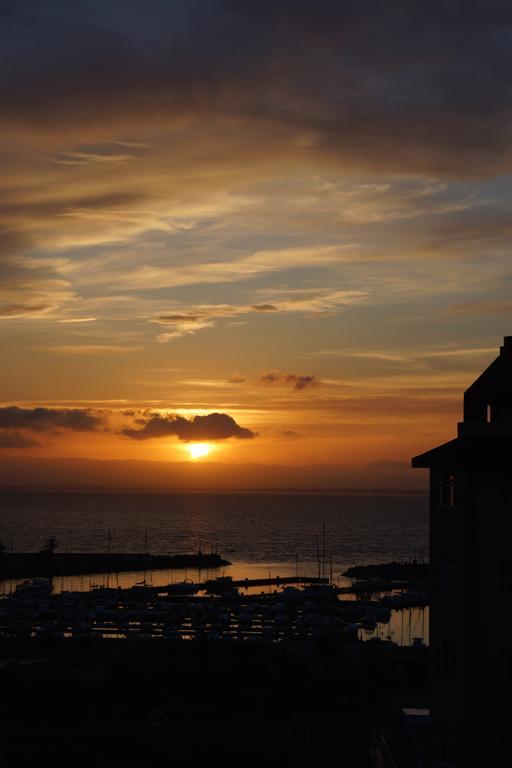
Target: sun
198	450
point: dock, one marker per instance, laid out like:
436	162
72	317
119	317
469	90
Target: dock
214	609
32	611
223	584
277	581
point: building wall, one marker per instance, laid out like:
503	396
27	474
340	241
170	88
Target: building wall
446	618
489	621
470	619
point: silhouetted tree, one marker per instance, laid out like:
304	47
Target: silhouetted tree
51	545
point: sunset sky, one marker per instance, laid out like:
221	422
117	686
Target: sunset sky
294	214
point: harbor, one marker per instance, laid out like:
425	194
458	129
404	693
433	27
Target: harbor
268	609
221	651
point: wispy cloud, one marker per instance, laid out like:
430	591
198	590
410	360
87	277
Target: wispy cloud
316	304
25	310
91	349
155	276
72	320
88	158
346	212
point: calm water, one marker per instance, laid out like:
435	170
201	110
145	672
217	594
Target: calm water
250	528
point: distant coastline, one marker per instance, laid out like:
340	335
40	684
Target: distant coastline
213	491
207	476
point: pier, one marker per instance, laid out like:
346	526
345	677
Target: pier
276	581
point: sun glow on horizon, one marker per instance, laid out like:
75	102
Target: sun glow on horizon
198	450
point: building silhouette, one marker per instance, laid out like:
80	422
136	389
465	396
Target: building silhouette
471	559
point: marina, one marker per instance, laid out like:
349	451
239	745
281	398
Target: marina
292	575
264	610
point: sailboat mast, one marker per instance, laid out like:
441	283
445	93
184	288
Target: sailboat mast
323	549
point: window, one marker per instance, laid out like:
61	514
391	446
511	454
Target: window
447	491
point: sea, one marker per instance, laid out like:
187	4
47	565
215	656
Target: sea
360	528
260	534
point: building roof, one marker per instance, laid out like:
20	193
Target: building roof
485	435
493	388
484	451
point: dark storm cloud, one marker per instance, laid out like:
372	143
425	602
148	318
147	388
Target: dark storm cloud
214	426
398	84
49	419
296	380
17	440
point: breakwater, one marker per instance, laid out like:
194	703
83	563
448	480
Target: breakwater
48	564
